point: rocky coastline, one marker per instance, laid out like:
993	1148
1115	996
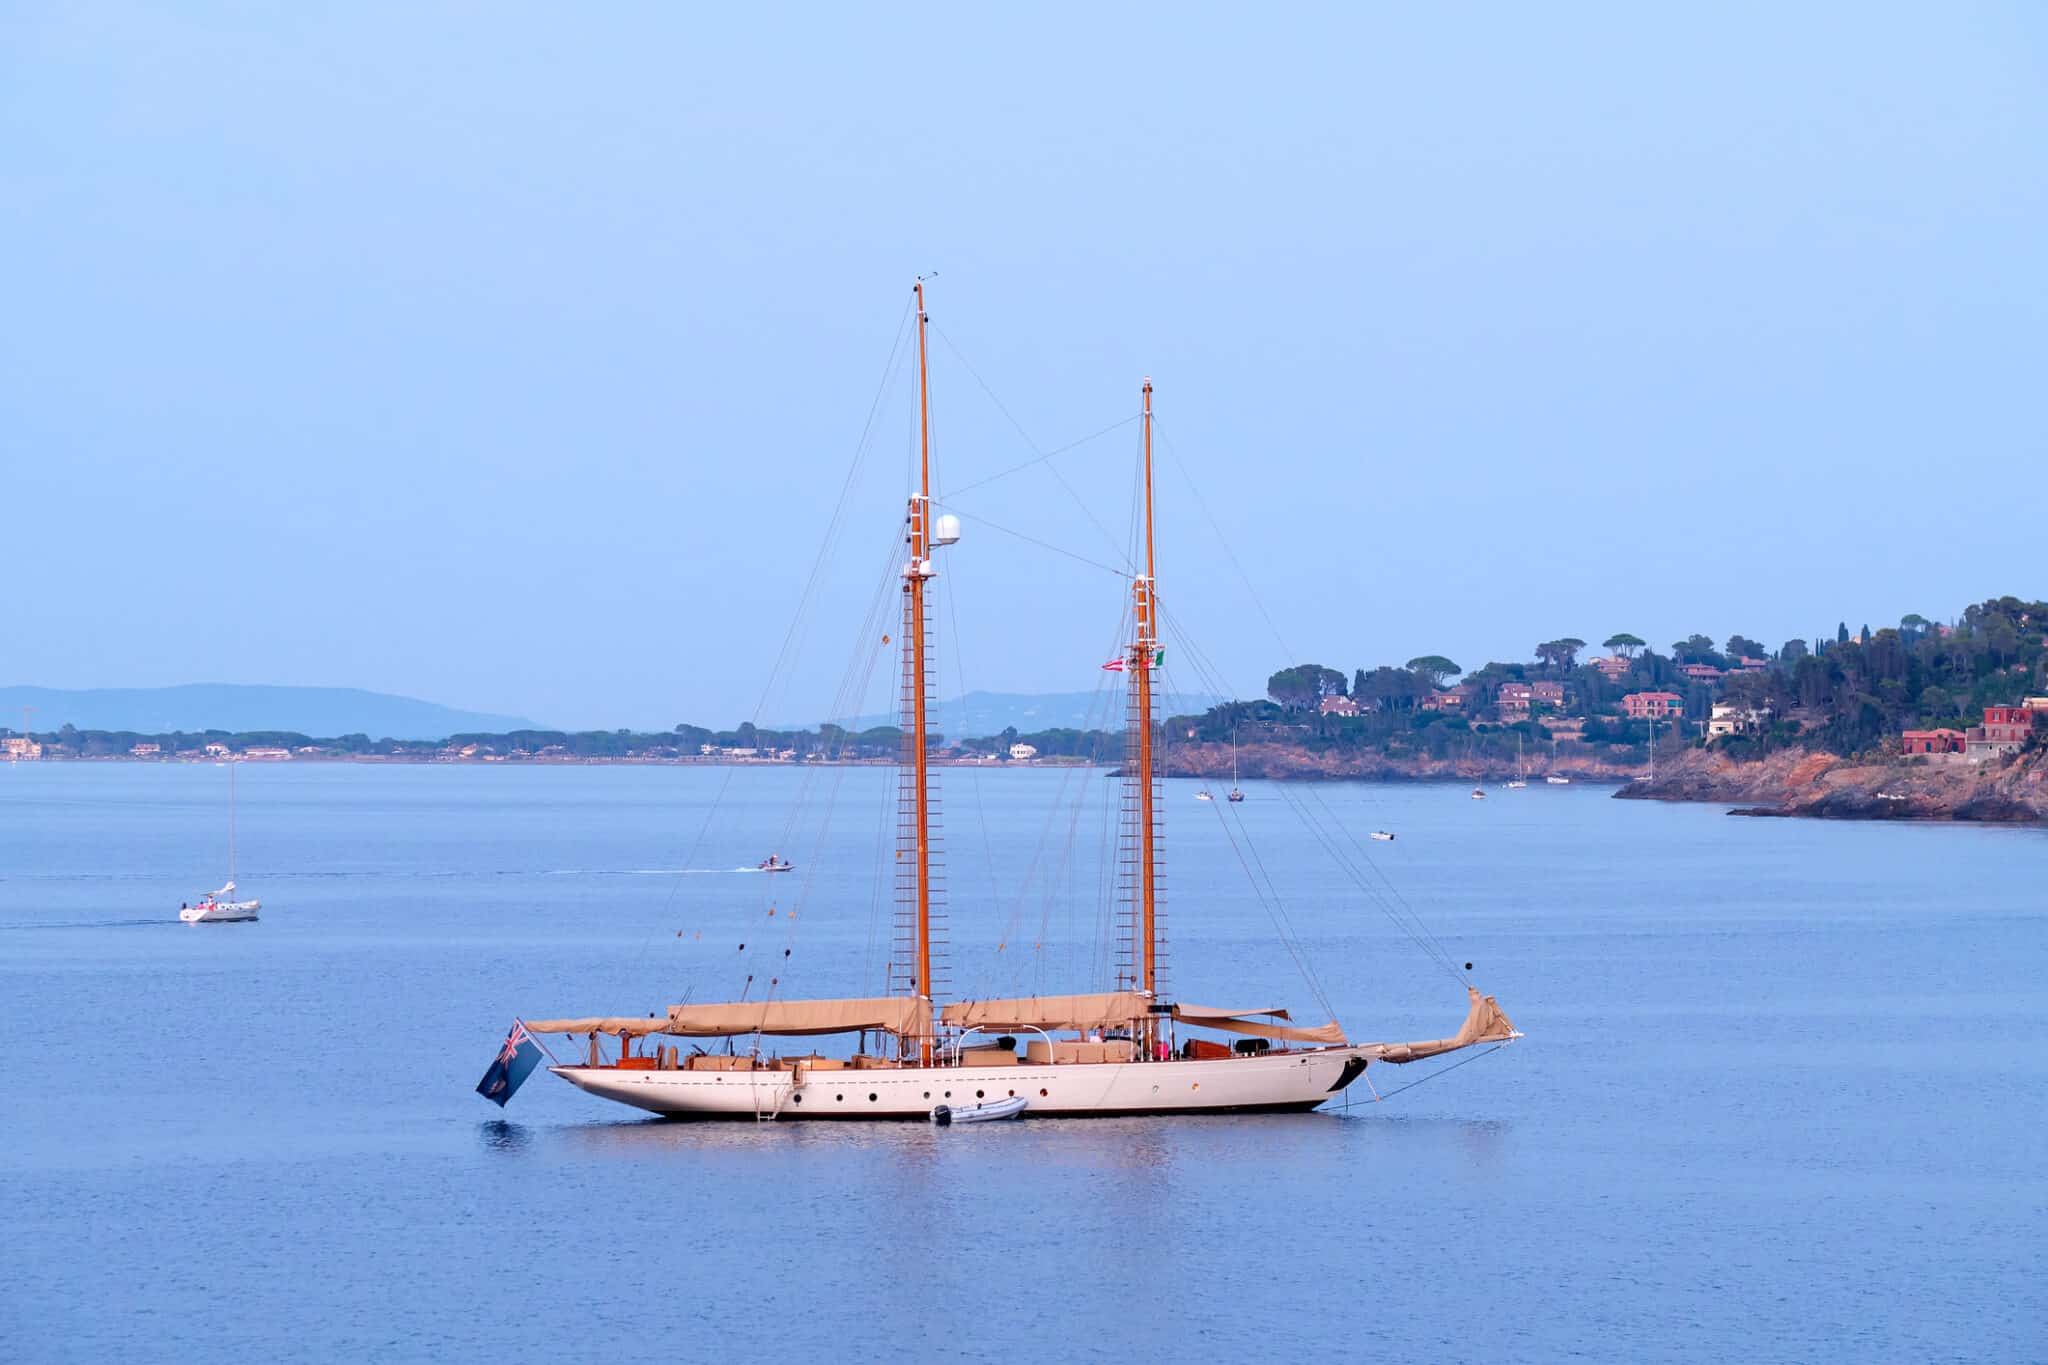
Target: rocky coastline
1825	786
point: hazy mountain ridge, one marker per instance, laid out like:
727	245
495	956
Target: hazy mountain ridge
243	707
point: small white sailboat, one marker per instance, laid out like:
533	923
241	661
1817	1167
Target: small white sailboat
1556	779
1521	777
220	907
1235	794
1382	836
1478	795
946	1115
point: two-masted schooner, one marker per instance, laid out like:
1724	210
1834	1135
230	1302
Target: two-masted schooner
1132	1050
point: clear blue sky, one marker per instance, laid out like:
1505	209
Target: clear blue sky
512	355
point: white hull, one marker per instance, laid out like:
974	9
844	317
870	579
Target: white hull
220	912
1275	1081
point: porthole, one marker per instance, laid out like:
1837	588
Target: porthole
1041	1094
927	1094
871	1097
798	1098
839	1097
949	1094
977	1094
1013	1094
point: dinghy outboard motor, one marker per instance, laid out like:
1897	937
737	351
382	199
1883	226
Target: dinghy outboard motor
943	1115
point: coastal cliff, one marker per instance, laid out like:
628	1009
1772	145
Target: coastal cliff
1824	785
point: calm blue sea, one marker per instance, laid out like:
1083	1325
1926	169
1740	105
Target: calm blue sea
1782	1096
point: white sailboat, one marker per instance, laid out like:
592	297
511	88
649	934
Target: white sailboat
1133	1049
220	907
1556	779
1521	777
1235	793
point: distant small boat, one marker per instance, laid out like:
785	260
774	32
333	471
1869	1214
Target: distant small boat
1203	795
220	907
1383	836
1235	795
1521	776
1478	795
772	863
945	1115
1517	782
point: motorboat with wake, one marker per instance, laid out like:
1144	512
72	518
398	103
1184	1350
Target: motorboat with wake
773	863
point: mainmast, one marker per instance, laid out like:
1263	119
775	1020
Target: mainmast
916	826
1144	652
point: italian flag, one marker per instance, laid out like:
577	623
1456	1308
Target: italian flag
1118	664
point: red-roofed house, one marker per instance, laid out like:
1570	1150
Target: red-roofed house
1653	705
1931	742
2004	731
1338	706
1612	665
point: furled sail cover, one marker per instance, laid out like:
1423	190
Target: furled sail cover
1112	1009
1484	1023
628	1026
1247	1022
903	1014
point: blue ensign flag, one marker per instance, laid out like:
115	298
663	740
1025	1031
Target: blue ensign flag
516	1061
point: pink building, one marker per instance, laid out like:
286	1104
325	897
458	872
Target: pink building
1653	705
1931	742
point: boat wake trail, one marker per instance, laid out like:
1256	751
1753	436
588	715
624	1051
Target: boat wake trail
95	924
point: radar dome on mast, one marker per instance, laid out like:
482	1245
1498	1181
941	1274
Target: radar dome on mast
945	529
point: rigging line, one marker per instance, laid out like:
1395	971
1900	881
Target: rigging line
1044	457
952	600
1044	545
1286	939
1217	529
845	488
1315	982
1440	1071
1414	927
1055	452
1392	890
1404	916
861	448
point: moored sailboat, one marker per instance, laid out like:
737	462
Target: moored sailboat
1134	1049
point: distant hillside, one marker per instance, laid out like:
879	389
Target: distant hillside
990	713
240	707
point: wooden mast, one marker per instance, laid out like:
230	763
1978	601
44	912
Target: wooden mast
1143	651
920	765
